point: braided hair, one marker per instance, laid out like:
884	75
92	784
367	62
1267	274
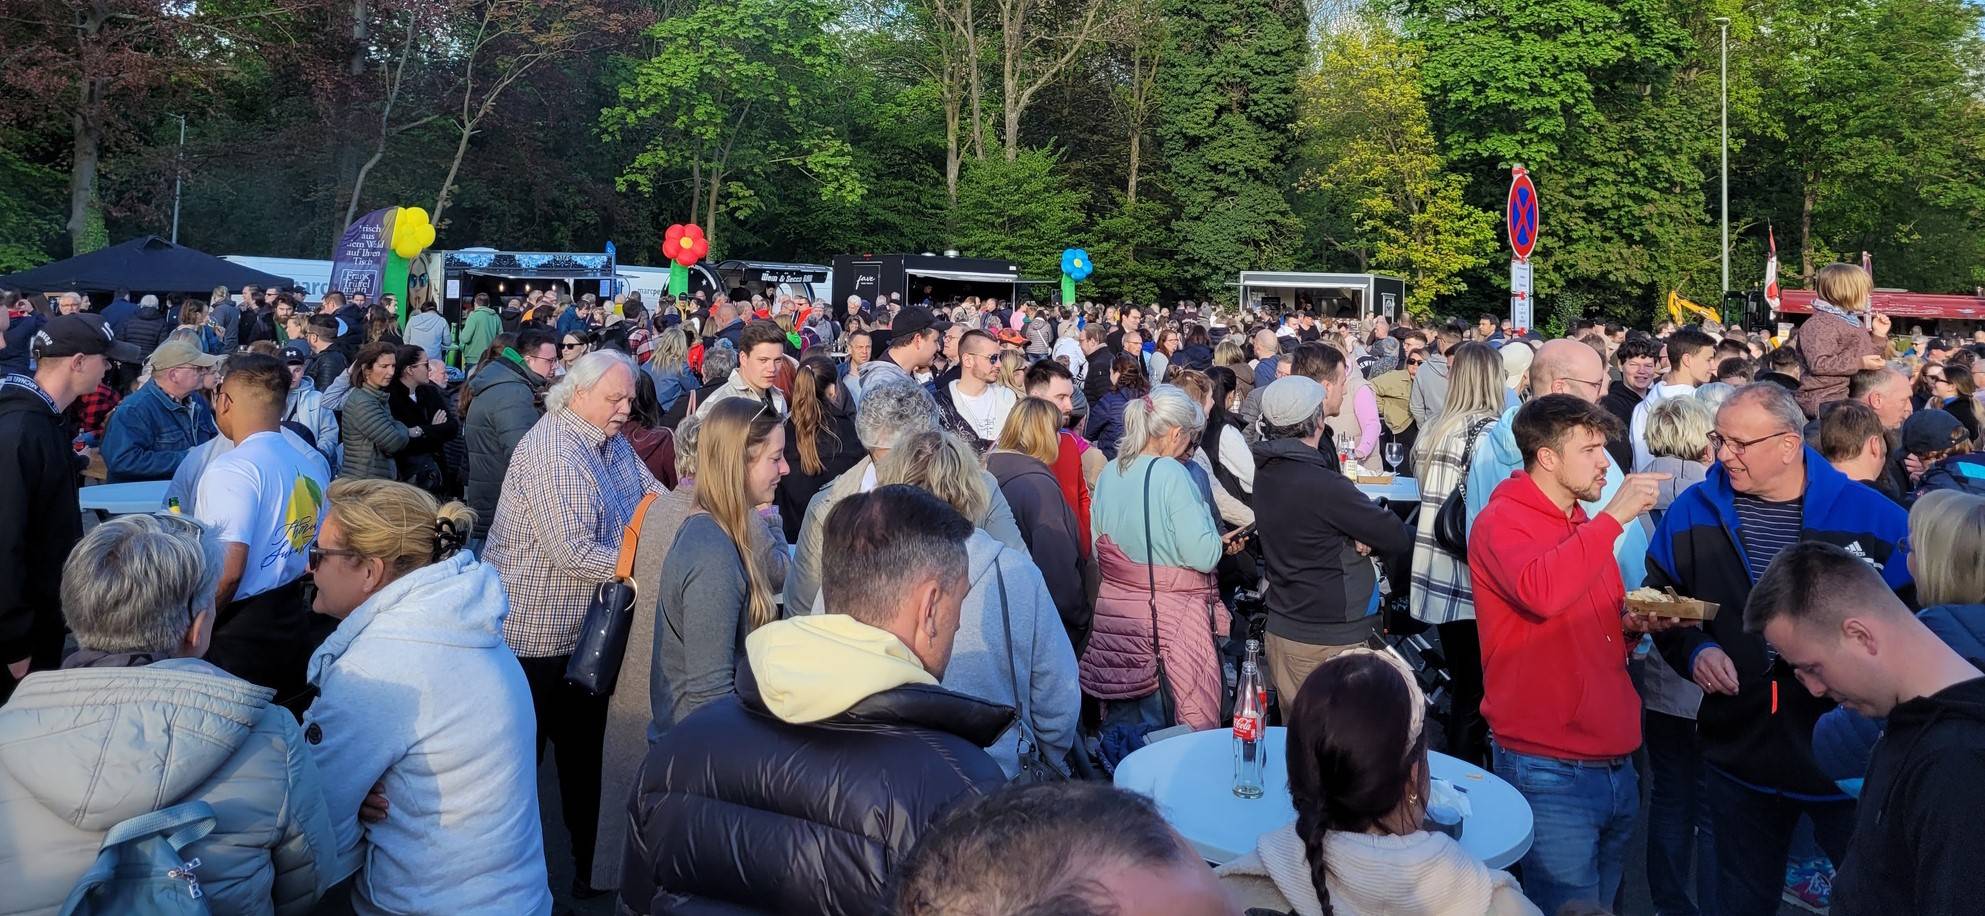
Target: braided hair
1353	753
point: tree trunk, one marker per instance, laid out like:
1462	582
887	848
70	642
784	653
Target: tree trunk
969	29
710	205
88	148
1136	147
952	153
1013	42
448	183
1807	200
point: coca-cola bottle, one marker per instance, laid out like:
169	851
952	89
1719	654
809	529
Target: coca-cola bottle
1250	725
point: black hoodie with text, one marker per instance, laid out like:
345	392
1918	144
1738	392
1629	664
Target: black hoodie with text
39	522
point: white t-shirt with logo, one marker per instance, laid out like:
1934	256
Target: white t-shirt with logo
268	494
986	413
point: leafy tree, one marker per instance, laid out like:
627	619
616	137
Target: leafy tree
1374	159
1021	210
726	104
1227	101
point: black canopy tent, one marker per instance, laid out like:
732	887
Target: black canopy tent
146	264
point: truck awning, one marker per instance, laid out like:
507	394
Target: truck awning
967	276
1898	304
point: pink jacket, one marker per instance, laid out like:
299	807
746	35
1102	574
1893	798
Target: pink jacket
1119	665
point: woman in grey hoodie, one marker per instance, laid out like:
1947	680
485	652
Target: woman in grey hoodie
1011	647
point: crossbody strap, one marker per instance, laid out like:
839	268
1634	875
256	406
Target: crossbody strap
1150	566
1013	669
630	539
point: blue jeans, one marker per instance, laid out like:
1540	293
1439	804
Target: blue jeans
1678	831
1584	818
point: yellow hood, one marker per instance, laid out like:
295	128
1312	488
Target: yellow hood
814	668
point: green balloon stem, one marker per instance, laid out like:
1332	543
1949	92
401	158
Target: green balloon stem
678	279
1067	290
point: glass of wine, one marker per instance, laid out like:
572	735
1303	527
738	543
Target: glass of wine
1395	453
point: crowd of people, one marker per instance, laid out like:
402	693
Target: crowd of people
909	579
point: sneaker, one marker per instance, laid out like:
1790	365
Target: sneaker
1809	885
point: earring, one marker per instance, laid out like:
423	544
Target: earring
1413	799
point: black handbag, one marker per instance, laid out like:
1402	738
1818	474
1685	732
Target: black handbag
1034	766
1451	522
602	646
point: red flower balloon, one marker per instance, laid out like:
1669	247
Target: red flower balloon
685	244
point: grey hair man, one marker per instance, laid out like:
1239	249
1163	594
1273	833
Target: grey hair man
890	411
135	716
571	488
1075	848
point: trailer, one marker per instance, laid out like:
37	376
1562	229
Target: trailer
312	276
925	279
1325	295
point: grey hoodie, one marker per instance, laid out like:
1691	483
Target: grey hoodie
1429	390
1038	657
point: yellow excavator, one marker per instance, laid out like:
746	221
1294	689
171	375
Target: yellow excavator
1678	305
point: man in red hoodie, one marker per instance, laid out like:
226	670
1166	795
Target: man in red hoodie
1548	601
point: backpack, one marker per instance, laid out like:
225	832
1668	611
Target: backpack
142	870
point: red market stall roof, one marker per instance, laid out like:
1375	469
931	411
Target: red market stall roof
1899	304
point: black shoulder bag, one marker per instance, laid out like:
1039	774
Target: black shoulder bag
1451	522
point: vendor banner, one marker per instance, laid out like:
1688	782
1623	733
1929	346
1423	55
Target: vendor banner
360	258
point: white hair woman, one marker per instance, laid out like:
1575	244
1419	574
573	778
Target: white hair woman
420	695
1157	546
135	722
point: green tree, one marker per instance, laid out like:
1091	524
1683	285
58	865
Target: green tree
1227	100
1373	158
1022	210
727	104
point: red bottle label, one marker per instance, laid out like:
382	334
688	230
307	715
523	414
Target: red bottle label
1247	727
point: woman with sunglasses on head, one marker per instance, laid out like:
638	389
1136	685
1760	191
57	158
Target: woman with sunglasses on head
726	567
1357	760
420	696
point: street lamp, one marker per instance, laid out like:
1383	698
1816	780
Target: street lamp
178	174
1723	23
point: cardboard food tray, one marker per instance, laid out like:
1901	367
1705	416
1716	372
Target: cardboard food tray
1685	608
1377	479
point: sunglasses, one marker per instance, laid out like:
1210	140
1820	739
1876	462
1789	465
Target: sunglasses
570	346
1416	361
316	555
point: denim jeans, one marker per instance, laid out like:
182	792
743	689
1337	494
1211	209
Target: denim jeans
1584	819
1678	831
1754	832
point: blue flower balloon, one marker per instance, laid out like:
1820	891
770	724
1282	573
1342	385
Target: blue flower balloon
1076	264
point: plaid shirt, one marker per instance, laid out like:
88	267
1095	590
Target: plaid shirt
1442	591
94	409
568	495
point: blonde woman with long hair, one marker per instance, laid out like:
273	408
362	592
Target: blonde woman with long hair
1012	646
1442	593
716	586
420	695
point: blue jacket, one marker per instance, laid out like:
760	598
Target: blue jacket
1105	427
1763	735
1496	457
150	432
569	321
1844	740
1964	473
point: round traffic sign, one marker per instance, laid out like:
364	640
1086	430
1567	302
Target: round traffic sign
1522	213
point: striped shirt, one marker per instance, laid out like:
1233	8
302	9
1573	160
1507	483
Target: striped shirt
1765	528
566	499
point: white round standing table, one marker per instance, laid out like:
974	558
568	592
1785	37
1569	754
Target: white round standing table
1401	489
134	498
1191	777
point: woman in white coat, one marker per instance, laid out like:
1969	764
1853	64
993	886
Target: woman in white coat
420	695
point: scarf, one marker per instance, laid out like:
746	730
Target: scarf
1821	305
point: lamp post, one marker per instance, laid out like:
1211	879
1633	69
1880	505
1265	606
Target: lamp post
1723	23
178	174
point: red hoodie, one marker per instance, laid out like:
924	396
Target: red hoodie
1547	601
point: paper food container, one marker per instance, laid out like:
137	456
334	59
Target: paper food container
1377	479
1675	606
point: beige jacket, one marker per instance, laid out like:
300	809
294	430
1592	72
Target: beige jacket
803	579
1426	874
83	749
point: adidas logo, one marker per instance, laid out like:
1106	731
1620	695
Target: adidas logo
1854	547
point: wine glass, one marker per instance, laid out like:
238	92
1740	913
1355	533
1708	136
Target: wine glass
1395	452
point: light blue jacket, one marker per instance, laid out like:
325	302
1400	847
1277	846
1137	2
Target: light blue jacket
419	689
1496	457
987	665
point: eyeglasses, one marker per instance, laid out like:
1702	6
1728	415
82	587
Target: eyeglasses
1718	442
316	555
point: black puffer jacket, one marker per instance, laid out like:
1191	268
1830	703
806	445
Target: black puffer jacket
506	401
820	812
146	329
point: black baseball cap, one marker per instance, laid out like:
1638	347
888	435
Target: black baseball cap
1930	431
913	320
82	334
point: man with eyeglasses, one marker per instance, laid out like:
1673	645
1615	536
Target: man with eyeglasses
1765	492
1691	362
152	430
